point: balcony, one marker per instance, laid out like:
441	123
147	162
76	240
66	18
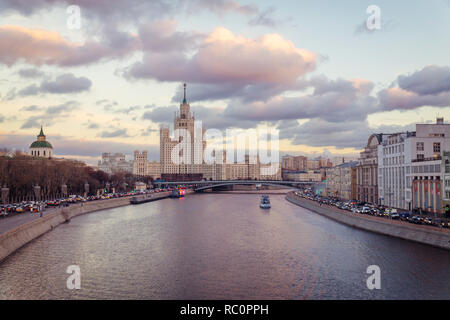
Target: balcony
437	157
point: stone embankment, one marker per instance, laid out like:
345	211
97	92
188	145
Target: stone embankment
437	237
17	237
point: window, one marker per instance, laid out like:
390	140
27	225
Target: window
437	147
419	146
420	157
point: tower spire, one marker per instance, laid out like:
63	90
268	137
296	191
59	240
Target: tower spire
184	100
42	132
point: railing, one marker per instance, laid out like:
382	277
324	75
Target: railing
427	159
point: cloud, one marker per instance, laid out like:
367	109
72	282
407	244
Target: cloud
343	134
160	114
131	10
125	9
222	6
66	83
147	132
2	118
31	73
50	114
399	99
30	90
332	100
31	108
114	133
430	80
427	87
161	36
39	46
265	18
226	58
211	117
92	125
10	95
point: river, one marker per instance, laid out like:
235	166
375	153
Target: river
220	246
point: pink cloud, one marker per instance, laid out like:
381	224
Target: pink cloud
39	46
225	57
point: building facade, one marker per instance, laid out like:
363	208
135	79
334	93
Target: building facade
304	176
410	167
115	162
446	183
367	171
341	181
143	167
192	144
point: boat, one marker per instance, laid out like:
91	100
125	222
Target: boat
265	202
136	200
177	193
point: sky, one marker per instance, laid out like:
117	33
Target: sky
311	69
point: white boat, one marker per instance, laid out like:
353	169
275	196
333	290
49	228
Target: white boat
265	202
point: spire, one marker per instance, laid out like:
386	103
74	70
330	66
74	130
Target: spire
41	134
184	100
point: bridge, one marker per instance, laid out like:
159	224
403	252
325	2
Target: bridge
199	186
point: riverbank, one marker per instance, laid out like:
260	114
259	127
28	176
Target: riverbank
279	191
17	237
436	237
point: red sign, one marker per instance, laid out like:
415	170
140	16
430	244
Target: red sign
425	184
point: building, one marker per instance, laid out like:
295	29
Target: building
41	147
114	163
340	160
143	167
302	163
178	163
446	183
410	167
304	176
140	186
341	181
287	163
367	171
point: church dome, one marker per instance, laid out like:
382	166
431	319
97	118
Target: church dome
41	141
41	144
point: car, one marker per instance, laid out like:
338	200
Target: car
416	220
20	209
404	216
366	210
395	216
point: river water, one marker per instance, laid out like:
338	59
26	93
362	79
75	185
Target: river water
220	246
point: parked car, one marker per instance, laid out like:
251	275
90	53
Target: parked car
404	216
416	220
395	216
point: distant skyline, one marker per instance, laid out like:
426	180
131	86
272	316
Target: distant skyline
311	69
